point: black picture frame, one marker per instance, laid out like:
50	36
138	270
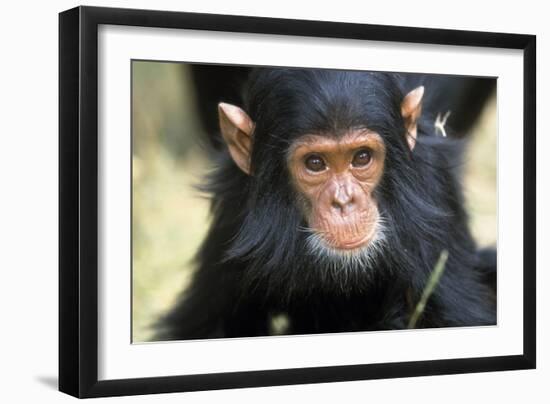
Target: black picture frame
78	200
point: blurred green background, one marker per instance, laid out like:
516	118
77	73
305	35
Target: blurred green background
170	216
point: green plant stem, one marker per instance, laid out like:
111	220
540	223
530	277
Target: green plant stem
430	287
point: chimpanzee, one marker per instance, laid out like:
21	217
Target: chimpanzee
332	200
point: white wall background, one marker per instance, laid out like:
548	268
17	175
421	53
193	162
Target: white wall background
28	202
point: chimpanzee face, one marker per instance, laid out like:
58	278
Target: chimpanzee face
335	179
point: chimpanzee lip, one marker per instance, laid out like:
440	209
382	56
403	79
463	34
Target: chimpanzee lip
352	245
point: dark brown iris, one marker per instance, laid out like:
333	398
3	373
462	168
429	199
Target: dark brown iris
362	158
315	163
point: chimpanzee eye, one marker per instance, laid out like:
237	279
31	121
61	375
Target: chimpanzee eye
315	163
361	158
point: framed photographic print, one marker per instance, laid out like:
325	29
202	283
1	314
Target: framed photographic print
250	201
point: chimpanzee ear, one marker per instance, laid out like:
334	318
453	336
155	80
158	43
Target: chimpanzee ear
237	127
411	108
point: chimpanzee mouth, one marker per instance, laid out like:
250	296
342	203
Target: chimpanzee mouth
350	233
341	239
358	254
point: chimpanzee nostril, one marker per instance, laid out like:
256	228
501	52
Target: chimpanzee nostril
336	205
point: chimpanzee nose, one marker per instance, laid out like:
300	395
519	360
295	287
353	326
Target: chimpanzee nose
343	200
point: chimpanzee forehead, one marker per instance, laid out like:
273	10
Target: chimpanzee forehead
325	144
351	139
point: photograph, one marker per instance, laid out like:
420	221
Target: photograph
272	200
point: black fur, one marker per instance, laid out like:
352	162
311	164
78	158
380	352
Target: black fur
254	262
